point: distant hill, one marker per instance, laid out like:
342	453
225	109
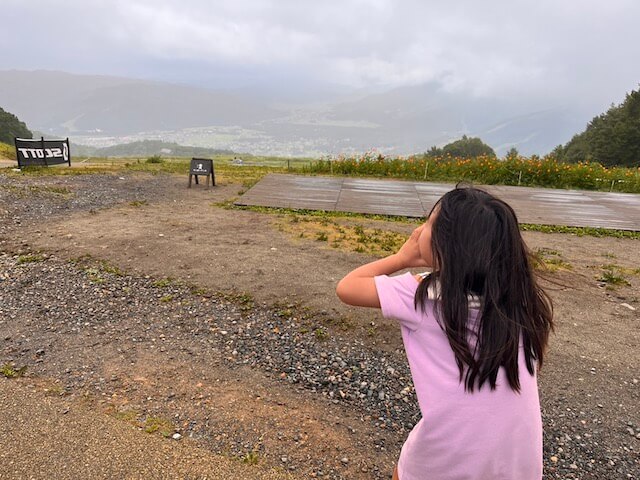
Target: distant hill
65	104
147	148
101	110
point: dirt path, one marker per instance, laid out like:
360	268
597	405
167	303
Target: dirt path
47	436
283	408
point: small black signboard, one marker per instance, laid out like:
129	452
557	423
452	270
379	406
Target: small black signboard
202	166
33	152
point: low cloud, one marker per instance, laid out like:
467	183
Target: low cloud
577	50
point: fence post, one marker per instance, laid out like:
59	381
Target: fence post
612	182
519	177
330	166
426	168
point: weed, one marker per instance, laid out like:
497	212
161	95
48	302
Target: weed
611	277
251	458
343	323
138	203
244	301
321	334
198	291
159	424
129	416
166	298
8	371
322	237
163	283
94	275
551	260
30	258
106	267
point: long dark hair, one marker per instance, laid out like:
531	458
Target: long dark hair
478	251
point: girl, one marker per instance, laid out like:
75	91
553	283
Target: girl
475	332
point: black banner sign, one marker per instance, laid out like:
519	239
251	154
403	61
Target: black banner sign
32	152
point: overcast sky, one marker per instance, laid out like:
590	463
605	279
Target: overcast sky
578	50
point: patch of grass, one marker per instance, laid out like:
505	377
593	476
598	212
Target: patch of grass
166	298
342	322
138	203
163	282
581	231
8	371
56	190
550	260
250	458
354	238
159	424
303	212
155	159
106	267
199	291
94	275
129	416
30	258
7	151
95	268
321	334
612	277
244	301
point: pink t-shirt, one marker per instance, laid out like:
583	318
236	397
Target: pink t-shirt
484	435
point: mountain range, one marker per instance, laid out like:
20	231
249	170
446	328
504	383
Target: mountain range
101	111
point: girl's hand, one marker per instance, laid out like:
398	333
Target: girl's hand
410	253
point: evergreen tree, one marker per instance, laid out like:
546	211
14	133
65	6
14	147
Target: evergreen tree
468	148
11	127
612	138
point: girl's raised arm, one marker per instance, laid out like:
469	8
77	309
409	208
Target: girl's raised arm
358	287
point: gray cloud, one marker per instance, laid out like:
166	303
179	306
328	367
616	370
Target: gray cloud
573	51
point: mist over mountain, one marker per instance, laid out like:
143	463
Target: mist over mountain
306	120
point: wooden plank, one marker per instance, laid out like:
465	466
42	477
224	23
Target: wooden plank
415	199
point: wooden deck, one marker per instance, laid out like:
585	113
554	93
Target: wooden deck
414	199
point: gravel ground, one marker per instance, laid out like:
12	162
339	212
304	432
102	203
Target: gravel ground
49	331
31	199
68	321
